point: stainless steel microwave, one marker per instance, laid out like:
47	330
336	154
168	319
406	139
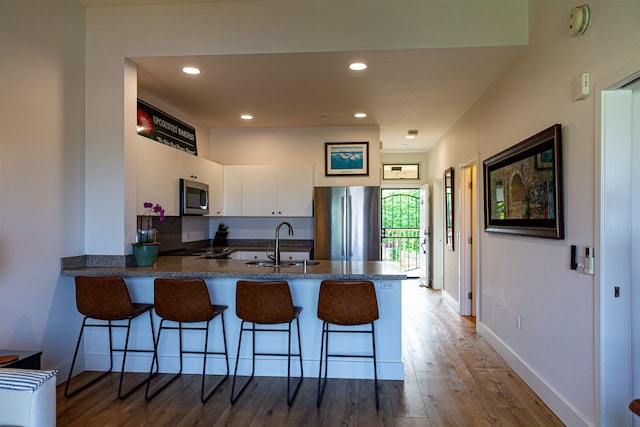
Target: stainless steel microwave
194	198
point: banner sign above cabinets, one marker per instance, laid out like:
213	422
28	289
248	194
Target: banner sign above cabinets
165	129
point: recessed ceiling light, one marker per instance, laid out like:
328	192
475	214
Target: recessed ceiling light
191	70
358	66
360	115
246	117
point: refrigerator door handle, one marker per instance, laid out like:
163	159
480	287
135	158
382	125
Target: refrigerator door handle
349	237
344	216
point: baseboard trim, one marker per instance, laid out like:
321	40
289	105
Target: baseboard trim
563	410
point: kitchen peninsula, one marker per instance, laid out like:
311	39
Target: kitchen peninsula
221	276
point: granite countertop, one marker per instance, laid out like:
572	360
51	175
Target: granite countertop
191	266
254	245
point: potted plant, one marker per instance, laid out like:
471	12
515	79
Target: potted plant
145	249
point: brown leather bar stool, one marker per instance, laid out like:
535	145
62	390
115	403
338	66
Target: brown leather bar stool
187	301
266	303
107	299
346	303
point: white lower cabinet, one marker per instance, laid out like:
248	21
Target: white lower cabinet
262	255
250	255
294	256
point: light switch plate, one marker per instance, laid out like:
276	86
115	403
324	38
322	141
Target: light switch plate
580	87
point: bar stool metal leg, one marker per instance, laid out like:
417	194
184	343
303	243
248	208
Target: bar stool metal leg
73	363
290	396
180	328
346	303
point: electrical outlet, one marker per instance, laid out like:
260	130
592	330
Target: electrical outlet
387	285
519	321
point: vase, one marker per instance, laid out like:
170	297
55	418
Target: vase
149	235
145	254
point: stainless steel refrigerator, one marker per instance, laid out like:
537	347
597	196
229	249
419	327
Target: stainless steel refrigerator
347	223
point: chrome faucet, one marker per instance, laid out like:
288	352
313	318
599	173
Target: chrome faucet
276	254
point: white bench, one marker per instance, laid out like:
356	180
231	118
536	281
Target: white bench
27	397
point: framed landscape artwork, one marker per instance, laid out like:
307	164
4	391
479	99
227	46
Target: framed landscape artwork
523	187
346	158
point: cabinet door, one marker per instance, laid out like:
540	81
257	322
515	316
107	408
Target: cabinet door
259	191
203	170
216	189
193	167
157	176
295	190
294	256
232	184
252	255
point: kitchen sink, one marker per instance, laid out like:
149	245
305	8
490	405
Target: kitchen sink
264	263
301	263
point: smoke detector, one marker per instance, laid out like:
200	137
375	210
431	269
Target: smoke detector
579	20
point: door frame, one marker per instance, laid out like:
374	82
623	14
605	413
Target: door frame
612	321
469	258
425	235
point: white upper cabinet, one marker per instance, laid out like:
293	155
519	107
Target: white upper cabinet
157	176
259	191
202	170
216	190
232	190
277	191
159	169
294	190
193	167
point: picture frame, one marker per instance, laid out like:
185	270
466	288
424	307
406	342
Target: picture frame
401	171
346	158
523	187
448	180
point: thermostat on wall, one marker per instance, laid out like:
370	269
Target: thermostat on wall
580	87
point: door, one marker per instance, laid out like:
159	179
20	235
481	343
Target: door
468	243
424	273
401	228
437	281
363	223
619	274
329	223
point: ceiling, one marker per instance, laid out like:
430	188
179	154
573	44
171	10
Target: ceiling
423	89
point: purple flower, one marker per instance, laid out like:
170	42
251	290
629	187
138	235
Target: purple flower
158	209
151	208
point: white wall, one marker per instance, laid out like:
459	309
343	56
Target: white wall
295	146
202	132
554	349
41	173
116	33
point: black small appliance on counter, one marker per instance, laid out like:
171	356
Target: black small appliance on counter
220	238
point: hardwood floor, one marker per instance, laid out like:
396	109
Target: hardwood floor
452	378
